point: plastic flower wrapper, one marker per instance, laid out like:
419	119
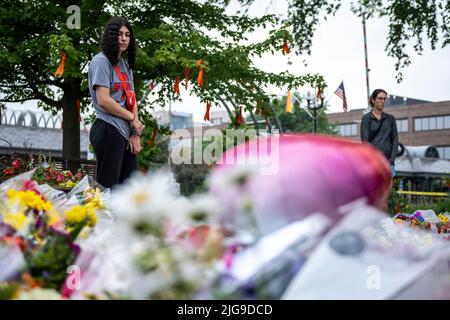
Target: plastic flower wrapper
16	183
12	261
159	246
264	269
33	220
89	192
367	256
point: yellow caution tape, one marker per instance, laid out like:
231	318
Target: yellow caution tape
423	193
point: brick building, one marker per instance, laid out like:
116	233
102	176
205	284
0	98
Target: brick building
420	123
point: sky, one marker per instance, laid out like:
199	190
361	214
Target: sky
338	54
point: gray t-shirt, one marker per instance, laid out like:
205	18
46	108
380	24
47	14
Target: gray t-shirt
101	73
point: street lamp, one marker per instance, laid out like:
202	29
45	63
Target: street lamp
314	103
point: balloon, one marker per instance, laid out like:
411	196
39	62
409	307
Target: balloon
294	176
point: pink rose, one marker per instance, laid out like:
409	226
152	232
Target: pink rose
16	164
59	177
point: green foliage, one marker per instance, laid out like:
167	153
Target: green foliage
48	265
396	203
153	156
191	177
170	38
8	290
299	120
409	22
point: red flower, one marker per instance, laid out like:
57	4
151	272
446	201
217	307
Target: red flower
8	171
48	178
16	164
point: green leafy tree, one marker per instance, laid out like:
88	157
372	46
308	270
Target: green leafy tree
411	22
171	36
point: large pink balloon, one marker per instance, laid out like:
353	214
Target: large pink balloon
316	173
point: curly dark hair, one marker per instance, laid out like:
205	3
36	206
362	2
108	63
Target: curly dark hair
110	41
374	95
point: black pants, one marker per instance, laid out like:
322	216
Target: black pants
115	162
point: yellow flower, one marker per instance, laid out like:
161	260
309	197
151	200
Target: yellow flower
79	214
76	214
442	218
29	199
47	206
92	217
15	219
52	216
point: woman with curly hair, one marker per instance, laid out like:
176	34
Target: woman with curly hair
115	133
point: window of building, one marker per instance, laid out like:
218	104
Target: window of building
348	130
402	125
439	123
447	122
418	124
444	152
425	124
431	123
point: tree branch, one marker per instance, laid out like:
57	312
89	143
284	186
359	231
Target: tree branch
40	96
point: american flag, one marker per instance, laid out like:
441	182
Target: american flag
340	92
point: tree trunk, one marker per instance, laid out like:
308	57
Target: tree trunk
71	124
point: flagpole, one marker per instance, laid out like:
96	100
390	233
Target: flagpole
365	53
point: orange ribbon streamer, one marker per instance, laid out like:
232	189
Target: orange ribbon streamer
208	107
78	109
186	77
239	119
285	49
60	70
176	87
319	93
152	139
200	73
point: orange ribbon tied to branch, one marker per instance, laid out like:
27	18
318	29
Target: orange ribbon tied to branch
186	77
200	73
60	70
176	87
208	107
239	119
78	109
319	93
285	49
152	139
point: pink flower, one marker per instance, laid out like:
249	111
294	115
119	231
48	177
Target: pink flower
48	178
16	164
59	177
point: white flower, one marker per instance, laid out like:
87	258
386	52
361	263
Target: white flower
143	198
39	294
231	177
